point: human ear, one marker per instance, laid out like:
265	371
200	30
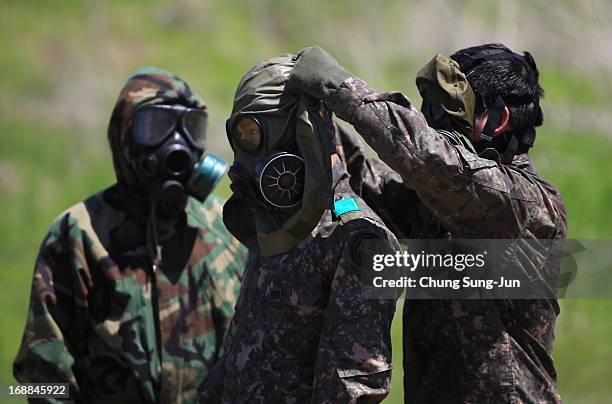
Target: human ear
503	124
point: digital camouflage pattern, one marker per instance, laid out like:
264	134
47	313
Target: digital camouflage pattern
100	319
457	350
303	331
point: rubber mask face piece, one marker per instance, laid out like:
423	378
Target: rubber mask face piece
168	142
268	175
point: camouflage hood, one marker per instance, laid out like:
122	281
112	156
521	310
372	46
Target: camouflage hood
147	85
291	122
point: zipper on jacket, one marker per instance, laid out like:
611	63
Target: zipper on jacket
155	303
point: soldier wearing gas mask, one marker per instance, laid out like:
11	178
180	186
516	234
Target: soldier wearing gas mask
303	331
458	168
134	287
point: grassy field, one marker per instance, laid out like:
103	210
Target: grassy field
64	62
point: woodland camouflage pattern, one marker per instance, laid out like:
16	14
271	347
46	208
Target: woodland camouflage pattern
99	319
457	351
303	331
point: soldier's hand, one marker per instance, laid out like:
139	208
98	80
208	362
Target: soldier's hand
316	73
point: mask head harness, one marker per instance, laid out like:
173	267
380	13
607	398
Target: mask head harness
450	103
495	106
281	175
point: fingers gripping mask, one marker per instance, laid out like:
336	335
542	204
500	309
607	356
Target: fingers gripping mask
168	141
281	174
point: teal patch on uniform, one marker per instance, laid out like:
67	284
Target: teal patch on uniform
345	205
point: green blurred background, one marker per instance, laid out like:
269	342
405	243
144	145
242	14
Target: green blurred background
63	62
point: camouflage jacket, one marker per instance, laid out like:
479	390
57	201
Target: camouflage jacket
102	321
303	331
456	351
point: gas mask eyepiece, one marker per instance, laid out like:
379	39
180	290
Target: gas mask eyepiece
246	133
153	124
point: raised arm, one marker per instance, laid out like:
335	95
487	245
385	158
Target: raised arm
379	186
470	195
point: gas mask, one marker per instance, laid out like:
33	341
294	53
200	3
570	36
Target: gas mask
168	142
275	180
281	175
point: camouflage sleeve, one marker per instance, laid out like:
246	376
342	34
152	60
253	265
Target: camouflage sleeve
210	390
471	196
56	313
379	186
227	289
367	175
354	357
227	265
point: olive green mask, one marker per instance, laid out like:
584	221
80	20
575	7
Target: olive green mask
448	99
281	174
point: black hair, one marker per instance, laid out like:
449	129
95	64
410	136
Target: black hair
494	70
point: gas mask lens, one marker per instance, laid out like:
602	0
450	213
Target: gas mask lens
154	123
247	134
194	122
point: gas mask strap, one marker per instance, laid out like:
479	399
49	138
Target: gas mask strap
488	133
495	116
510	151
528	138
153	245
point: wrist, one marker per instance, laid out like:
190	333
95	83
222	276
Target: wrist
347	97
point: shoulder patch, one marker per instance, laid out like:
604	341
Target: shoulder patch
343	206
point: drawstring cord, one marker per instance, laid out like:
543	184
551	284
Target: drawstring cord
155	254
155	249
